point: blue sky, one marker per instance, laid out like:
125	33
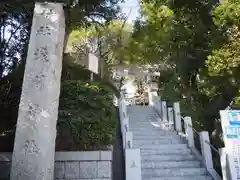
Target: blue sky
134	4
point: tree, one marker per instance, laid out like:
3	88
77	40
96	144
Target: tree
16	18
109	42
197	45
15	25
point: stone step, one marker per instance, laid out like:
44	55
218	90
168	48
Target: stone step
142	143
152	132
140	120
203	177
170	164
166	147
143	121
143	111
167	158
149	110
182	151
146	138
145	126
148	127
175	172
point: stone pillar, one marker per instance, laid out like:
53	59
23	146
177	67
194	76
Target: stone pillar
189	132
34	147
177	117
170	118
206	150
164	111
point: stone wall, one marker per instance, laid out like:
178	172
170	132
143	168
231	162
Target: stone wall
86	165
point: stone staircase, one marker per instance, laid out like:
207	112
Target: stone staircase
164	154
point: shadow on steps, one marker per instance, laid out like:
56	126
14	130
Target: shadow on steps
118	163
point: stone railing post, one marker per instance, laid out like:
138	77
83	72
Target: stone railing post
133	164
189	131
124	107
120	107
160	105
164	111
121	94
224	164
129	140
125	129
206	150
170	118
34	146
177	117
150	100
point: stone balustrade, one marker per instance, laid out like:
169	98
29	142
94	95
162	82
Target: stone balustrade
132	156
184	128
175	122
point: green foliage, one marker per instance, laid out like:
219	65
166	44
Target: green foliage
110	42
92	99
15	26
196	42
87	117
16	20
76	12
75	71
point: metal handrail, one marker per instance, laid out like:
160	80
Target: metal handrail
190	126
211	146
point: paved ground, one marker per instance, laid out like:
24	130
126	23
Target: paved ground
118	165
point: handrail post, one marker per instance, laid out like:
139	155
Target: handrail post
159	105
170	118
177	117
125	129
120	114
121	94
164	110
224	164
124	107
129	140
206	150
189	131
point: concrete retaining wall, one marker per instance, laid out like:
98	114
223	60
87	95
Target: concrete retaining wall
86	165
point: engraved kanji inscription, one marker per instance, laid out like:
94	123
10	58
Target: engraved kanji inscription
134	165
33	109
54	74
30	147
38	81
44	30
47	13
41	53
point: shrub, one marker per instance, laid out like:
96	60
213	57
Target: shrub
87	117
